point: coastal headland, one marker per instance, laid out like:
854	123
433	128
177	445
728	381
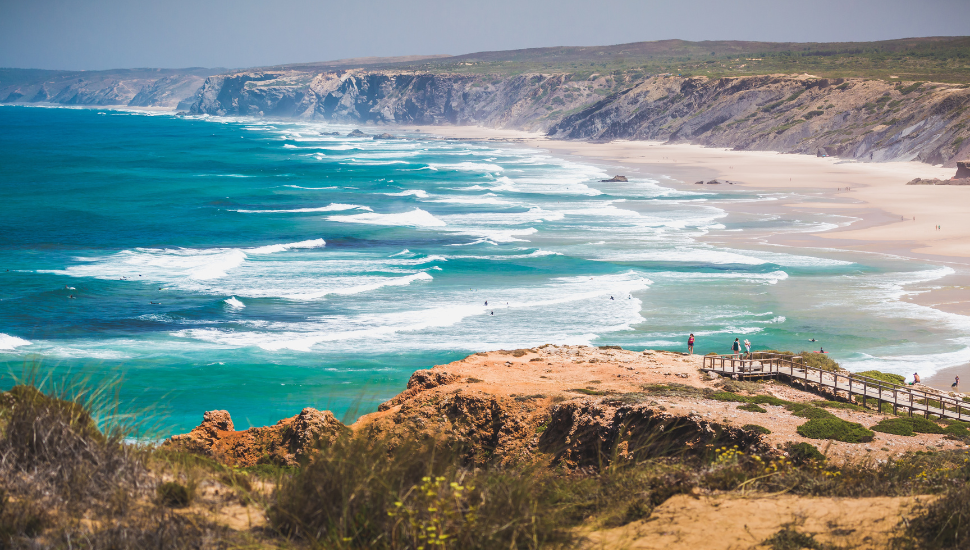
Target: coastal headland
585	409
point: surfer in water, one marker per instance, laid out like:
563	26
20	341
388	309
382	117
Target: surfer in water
611	297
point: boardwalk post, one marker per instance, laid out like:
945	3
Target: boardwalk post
895	406
865	392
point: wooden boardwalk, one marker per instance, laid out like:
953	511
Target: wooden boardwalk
907	398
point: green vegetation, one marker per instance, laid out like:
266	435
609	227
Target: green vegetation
835	428
907	426
756	428
378	490
941	524
587	391
838	405
174	495
916	59
789	538
813	413
802	453
884	377
751	407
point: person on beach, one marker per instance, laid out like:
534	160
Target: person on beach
690	344
956	383
747	347
915	379
736	347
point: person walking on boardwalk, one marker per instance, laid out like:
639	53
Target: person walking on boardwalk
736	347
690	344
747	348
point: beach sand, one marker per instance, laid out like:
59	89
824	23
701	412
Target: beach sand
889	217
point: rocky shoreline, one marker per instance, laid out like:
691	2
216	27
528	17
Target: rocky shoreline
579	406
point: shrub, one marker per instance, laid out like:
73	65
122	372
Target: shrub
838	405
943	524
769	400
884	377
801	453
908	426
789	538
729	396
895	426
366	491
835	428
756	428
751	407
587	391
813	413
174	495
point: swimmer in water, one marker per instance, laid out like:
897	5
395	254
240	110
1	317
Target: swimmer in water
611	297
812	340
486	302
492	313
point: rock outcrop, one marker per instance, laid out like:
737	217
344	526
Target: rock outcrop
962	177
287	443
614	179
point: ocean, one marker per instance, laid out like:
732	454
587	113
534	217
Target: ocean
264	266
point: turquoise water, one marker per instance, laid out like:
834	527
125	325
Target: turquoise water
262	266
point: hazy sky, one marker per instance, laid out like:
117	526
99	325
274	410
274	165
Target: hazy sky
102	34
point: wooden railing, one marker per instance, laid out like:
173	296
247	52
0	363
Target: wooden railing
794	368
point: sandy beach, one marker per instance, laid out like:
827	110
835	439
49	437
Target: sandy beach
887	216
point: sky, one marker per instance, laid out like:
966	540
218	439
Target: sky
106	34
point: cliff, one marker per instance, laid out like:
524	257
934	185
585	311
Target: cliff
126	87
576	406
853	118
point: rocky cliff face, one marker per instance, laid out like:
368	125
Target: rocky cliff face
863	119
134	88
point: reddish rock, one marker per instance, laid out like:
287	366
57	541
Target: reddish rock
287	443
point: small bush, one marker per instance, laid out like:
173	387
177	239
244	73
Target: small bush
729	396
895	426
838	405
174	495
908	426
814	413
751	407
801	453
587	391
837	429
788	538
884	377
756	428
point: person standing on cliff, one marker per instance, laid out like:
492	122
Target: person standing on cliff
690	344
736	347
747	347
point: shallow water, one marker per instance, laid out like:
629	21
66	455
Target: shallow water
260	266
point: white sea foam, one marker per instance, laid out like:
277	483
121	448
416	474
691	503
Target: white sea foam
421	194
467	167
414	218
234	303
358	289
332	207
172	265
8	342
273	248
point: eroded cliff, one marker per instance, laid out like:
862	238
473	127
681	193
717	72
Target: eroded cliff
855	118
